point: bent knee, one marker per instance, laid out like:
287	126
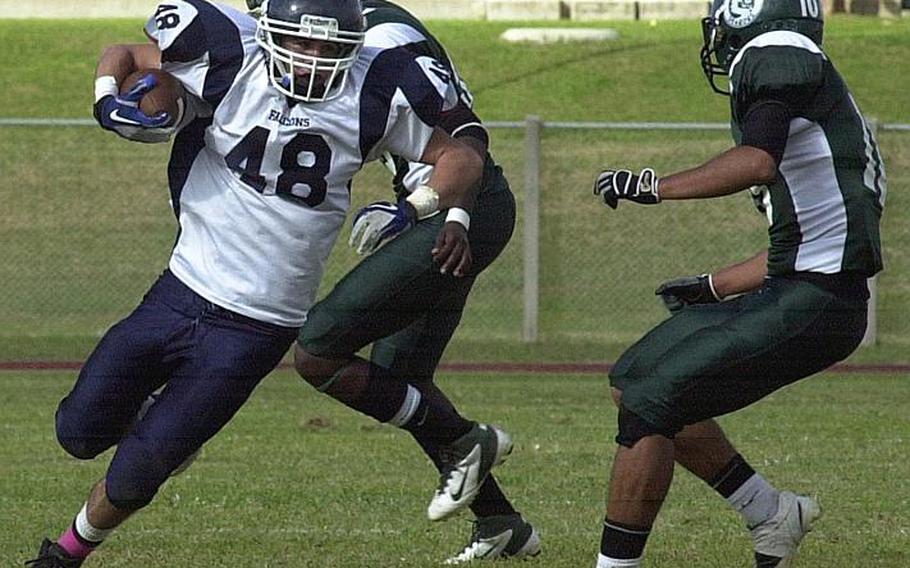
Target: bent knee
80	447
633	428
76	440
315	370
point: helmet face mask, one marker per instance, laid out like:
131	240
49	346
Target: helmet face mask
312	44
733	23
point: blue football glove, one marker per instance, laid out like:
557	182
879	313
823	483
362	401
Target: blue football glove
613	185
121	114
380	222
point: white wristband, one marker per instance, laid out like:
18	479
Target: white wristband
460	216
104	86
425	201
713	291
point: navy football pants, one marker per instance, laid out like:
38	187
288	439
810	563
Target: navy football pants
208	359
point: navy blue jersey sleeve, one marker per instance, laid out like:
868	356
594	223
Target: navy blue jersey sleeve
201	45
404	99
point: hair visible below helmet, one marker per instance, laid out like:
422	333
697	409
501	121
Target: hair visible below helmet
733	23
335	21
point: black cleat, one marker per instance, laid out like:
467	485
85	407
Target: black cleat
52	555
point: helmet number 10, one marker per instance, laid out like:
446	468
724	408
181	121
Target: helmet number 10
809	8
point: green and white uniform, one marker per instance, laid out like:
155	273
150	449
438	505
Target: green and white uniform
396	299
828	196
824	211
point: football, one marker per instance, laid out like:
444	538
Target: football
168	94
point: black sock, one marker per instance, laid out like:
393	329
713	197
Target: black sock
382	396
427	415
622	541
436	422
491	500
732	476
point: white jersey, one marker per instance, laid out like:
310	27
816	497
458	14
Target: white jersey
261	185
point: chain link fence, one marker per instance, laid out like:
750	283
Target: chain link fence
86	227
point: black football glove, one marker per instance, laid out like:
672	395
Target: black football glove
613	185
688	290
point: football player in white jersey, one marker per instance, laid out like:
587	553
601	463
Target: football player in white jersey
744	331
281	113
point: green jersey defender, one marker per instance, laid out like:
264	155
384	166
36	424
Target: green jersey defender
397	301
802	305
824	205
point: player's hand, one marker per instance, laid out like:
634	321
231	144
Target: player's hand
688	290
121	114
613	185
453	250
380	222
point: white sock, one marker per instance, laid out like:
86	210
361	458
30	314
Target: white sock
607	562
86	530
408	408
756	500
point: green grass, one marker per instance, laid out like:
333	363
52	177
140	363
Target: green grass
650	73
297	480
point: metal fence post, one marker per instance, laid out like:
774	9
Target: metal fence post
531	233
871	335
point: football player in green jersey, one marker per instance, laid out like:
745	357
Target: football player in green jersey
406	303
790	311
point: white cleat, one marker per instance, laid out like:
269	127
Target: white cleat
468	461
778	538
501	536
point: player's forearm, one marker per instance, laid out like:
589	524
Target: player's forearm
741	277
457	171
730	172
119	60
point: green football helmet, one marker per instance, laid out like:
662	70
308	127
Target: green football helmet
733	23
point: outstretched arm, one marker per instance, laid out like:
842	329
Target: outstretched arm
730	172
765	130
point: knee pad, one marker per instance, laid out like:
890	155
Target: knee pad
633	428
135	475
127	501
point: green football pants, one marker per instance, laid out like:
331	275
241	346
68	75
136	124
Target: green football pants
712	359
397	300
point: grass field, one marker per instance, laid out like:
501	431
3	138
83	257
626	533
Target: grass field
299	481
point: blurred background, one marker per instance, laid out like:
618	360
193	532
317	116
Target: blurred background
86	226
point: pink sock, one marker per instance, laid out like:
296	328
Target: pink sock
69	542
